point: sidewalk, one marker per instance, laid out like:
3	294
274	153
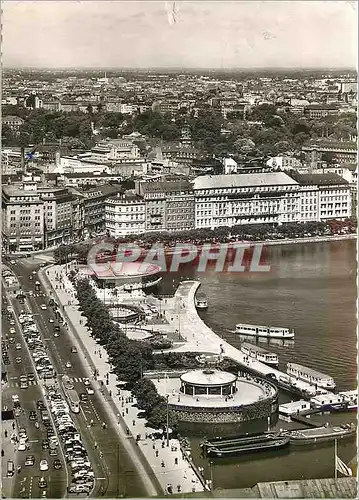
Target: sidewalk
10	453
160	457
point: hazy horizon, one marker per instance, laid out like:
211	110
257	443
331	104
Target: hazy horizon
181	35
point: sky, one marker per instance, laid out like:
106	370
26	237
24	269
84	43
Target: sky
201	34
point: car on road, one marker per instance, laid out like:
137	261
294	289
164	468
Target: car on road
18	360
57	464
90	391
40	405
86	381
68	364
12	331
43	307
13	261
42	482
73	350
23	433
84	397
51	320
31	376
11	340
45	444
22	445
18	346
32	415
53	452
29	460
15	398
44	465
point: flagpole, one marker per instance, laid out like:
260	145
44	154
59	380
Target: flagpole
335	458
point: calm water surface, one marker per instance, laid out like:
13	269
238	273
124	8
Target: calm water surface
311	288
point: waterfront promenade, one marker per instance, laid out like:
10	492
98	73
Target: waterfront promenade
181	313
161	460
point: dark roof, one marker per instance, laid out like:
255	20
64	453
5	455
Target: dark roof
318	179
323	106
331	144
75	175
166	187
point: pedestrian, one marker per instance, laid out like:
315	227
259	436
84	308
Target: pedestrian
5	433
127	413
156	453
101	454
13	426
176	461
95	445
133	422
2	453
162	464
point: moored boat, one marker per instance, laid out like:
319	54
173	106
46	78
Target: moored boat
264	331
260	354
201	302
328	402
294	407
254	447
321	434
350	399
311	376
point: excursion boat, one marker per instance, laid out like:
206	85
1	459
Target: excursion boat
294	407
350	399
201	302
321	434
311	376
328	402
260	354
249	446
264	331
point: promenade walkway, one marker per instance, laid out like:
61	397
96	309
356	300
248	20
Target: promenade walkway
181	310
169	464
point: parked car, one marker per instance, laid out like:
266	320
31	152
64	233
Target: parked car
44	465
29	460
57	464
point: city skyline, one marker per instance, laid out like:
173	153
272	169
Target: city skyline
250	35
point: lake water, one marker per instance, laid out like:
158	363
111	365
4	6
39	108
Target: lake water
311	288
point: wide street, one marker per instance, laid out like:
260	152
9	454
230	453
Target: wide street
25	483
114	469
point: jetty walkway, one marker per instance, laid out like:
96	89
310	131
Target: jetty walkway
180	311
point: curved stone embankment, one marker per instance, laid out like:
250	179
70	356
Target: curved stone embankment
200	338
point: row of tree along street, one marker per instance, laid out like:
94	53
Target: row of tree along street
254	232
129	357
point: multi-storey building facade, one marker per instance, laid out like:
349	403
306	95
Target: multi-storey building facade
125	214
342	152
14	122
22	218
169	205
324	197
94	203
229	200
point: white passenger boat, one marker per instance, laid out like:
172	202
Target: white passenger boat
201	302
260	354
328	402
264	331
294	407
311	376
350	399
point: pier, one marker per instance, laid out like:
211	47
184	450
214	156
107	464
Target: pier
180	311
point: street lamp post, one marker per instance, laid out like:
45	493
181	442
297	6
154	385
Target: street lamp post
211	470
167	421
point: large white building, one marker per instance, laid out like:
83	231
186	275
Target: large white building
324	197
125	214
230	200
